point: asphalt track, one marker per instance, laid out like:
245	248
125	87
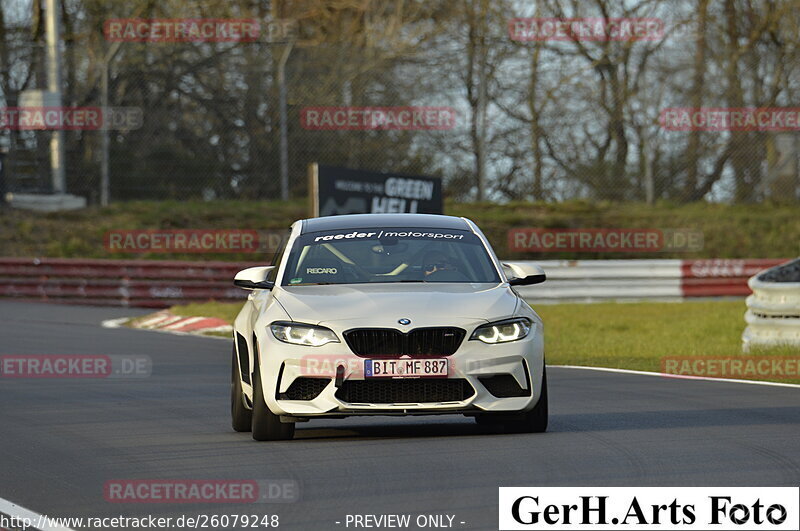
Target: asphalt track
61	440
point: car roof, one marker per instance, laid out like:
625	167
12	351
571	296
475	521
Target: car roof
364	221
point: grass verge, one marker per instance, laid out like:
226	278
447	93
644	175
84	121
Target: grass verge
730	231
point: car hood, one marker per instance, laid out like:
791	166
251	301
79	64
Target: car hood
381	305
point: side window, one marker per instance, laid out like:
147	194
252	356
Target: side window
277	258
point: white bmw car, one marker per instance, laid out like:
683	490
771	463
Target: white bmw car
387	314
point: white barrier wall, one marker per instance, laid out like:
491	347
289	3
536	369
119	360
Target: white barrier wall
773	313
598	280
631	280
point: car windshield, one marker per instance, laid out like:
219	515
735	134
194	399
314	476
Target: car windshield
359	256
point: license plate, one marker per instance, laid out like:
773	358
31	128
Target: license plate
405	368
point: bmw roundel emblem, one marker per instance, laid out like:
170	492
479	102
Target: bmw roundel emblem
404	321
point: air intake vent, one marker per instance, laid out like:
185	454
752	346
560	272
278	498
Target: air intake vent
420	342
405	391
244	358
305	389
503	386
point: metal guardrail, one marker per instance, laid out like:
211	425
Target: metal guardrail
159	284
596	280
141	283
773	310
665	280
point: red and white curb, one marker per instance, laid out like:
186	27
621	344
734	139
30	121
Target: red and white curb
166	321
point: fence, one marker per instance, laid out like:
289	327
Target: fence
159	284
773	310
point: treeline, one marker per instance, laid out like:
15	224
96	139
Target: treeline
536	119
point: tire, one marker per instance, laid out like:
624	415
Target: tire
533	421
241	416
266	425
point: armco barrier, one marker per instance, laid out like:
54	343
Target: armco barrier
597	280
591	280
773	312
159	284
714	278
143	283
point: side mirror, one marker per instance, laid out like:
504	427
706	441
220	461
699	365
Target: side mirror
523	273
254	278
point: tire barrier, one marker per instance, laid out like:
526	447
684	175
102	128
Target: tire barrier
773	310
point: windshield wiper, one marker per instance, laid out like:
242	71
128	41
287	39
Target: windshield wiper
394	281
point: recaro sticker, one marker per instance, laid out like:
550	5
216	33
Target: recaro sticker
321	270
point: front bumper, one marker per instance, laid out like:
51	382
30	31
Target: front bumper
281	364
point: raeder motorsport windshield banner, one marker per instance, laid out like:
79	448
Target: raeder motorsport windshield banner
650	508
335	191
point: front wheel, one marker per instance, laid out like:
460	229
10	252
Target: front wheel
533	421
266	425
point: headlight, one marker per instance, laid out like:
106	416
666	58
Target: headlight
303	334
503	331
